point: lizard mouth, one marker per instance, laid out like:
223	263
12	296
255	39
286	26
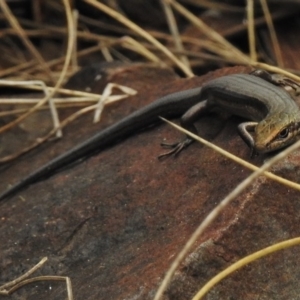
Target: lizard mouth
273	145
262	148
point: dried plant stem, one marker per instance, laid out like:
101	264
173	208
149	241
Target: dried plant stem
62	74
215	5
43	139
15	24
44	278
275	69
272	31
210	33
16	68
57	61
132	44
243	262
251	30
174	31
74	52
26	275
102	100
10	287
246	164
142	32
216	211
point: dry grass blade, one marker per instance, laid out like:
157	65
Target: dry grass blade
274	69
216	211
15	24
44	278
10	287
210	33
26	275
251	30
48	135
62	91
57	61
244	163
174	31
14	69
272	31
132	44
203	44
243	262
107	99
142	32
43	87
71	41
74	52
215	5
107	92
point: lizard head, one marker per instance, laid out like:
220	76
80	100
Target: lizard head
277	132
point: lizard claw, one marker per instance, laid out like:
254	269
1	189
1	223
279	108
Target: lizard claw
253	153
175	148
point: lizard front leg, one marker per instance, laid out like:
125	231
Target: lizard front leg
244	133
187	122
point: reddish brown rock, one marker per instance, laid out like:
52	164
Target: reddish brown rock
115	222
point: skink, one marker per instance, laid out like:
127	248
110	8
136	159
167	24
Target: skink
275	120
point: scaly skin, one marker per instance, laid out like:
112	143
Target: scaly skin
274	114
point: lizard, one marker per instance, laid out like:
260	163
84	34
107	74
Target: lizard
272	114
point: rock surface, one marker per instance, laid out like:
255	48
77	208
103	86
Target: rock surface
115	222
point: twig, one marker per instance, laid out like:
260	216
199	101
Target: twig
174	31
65	122
74	52
215	5
244	163
62	74
142	32
216	211
273	35
43	86
26	275
210	33
243	262
132	44
15	24
251	31
12	286
43	139
105	97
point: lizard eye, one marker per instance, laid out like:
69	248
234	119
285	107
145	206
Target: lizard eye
283	133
